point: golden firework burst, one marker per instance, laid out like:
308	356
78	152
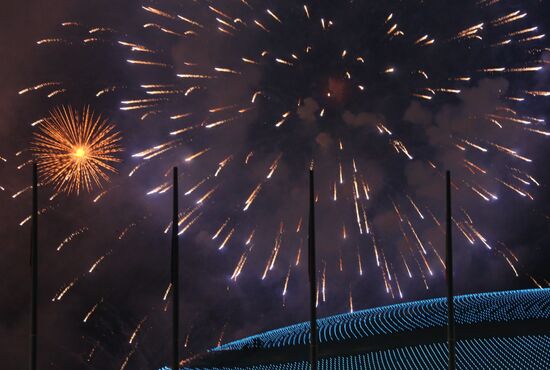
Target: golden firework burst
76	150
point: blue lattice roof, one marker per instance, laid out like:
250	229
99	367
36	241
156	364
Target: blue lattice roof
469	309
501	330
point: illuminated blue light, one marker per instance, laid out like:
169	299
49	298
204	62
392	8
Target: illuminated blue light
527	351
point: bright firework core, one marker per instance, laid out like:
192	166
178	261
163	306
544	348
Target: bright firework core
80	153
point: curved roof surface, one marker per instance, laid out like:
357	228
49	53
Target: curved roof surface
469	309
494	330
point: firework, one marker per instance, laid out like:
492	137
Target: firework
76	150
336	84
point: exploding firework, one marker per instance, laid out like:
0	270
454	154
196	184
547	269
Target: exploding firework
76	150
361	91
382	97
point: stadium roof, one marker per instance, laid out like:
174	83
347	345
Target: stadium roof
501	330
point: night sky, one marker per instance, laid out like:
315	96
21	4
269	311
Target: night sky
322	113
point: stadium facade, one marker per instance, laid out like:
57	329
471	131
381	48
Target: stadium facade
501	330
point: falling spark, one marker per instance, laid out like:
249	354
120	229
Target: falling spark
92	310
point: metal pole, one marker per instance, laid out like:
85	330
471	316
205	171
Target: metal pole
175	275
34	267
312	275
449	279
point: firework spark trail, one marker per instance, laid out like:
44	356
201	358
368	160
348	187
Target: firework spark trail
92	311
41	211
226	239
137	329
71	236
39	86
98	261
359	262
275	251
63	291
241	263
252	197
127	359
285	288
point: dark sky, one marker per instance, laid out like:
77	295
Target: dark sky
126	226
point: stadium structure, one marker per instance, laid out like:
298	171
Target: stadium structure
500	330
